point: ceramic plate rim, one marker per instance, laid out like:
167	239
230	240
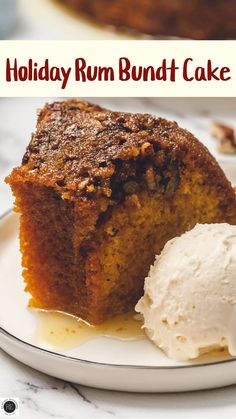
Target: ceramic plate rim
104	364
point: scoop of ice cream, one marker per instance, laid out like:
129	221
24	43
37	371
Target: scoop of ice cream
189	302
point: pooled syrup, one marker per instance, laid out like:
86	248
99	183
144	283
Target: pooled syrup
61	330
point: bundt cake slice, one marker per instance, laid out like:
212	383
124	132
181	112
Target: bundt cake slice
99	194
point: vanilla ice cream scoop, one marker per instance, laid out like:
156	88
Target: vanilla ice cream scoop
189	303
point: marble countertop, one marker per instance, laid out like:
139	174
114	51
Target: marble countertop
44	397
41	396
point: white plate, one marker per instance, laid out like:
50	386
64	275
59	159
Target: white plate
102	362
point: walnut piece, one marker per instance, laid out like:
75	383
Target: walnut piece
226	137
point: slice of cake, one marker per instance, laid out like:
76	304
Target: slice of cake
99	194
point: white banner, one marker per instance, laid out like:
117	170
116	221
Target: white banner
118	68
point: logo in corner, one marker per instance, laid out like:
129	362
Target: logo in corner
9	407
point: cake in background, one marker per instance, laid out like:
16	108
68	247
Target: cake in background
197	19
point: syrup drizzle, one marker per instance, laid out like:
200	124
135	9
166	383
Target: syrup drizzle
61	330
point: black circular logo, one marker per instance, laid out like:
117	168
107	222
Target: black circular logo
9	406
